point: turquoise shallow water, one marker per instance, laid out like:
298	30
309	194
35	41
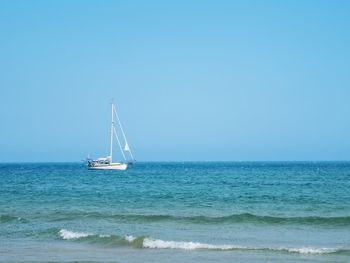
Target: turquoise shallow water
176	212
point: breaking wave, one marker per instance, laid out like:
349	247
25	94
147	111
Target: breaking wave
161	244
151	243
66	234
111	240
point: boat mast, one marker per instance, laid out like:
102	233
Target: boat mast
124	136
112	131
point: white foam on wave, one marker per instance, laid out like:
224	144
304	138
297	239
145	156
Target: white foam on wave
158	243
129	238
162	244
311	250
66	234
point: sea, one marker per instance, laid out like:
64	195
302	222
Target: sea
176	212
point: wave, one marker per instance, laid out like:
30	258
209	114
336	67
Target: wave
161	244
143	242
9	218
65	234
109	240
230	219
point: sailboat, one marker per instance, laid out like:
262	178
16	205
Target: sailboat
106	163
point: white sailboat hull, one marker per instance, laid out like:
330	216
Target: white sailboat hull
111	166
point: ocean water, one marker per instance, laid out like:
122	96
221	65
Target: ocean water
176	212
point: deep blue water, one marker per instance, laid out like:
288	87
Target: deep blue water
176	212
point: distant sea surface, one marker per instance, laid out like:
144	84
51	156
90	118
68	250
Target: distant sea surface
176	212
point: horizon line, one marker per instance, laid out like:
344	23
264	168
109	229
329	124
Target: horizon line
187	161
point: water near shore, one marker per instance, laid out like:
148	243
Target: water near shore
176	212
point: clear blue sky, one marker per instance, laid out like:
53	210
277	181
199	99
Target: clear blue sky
193	80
